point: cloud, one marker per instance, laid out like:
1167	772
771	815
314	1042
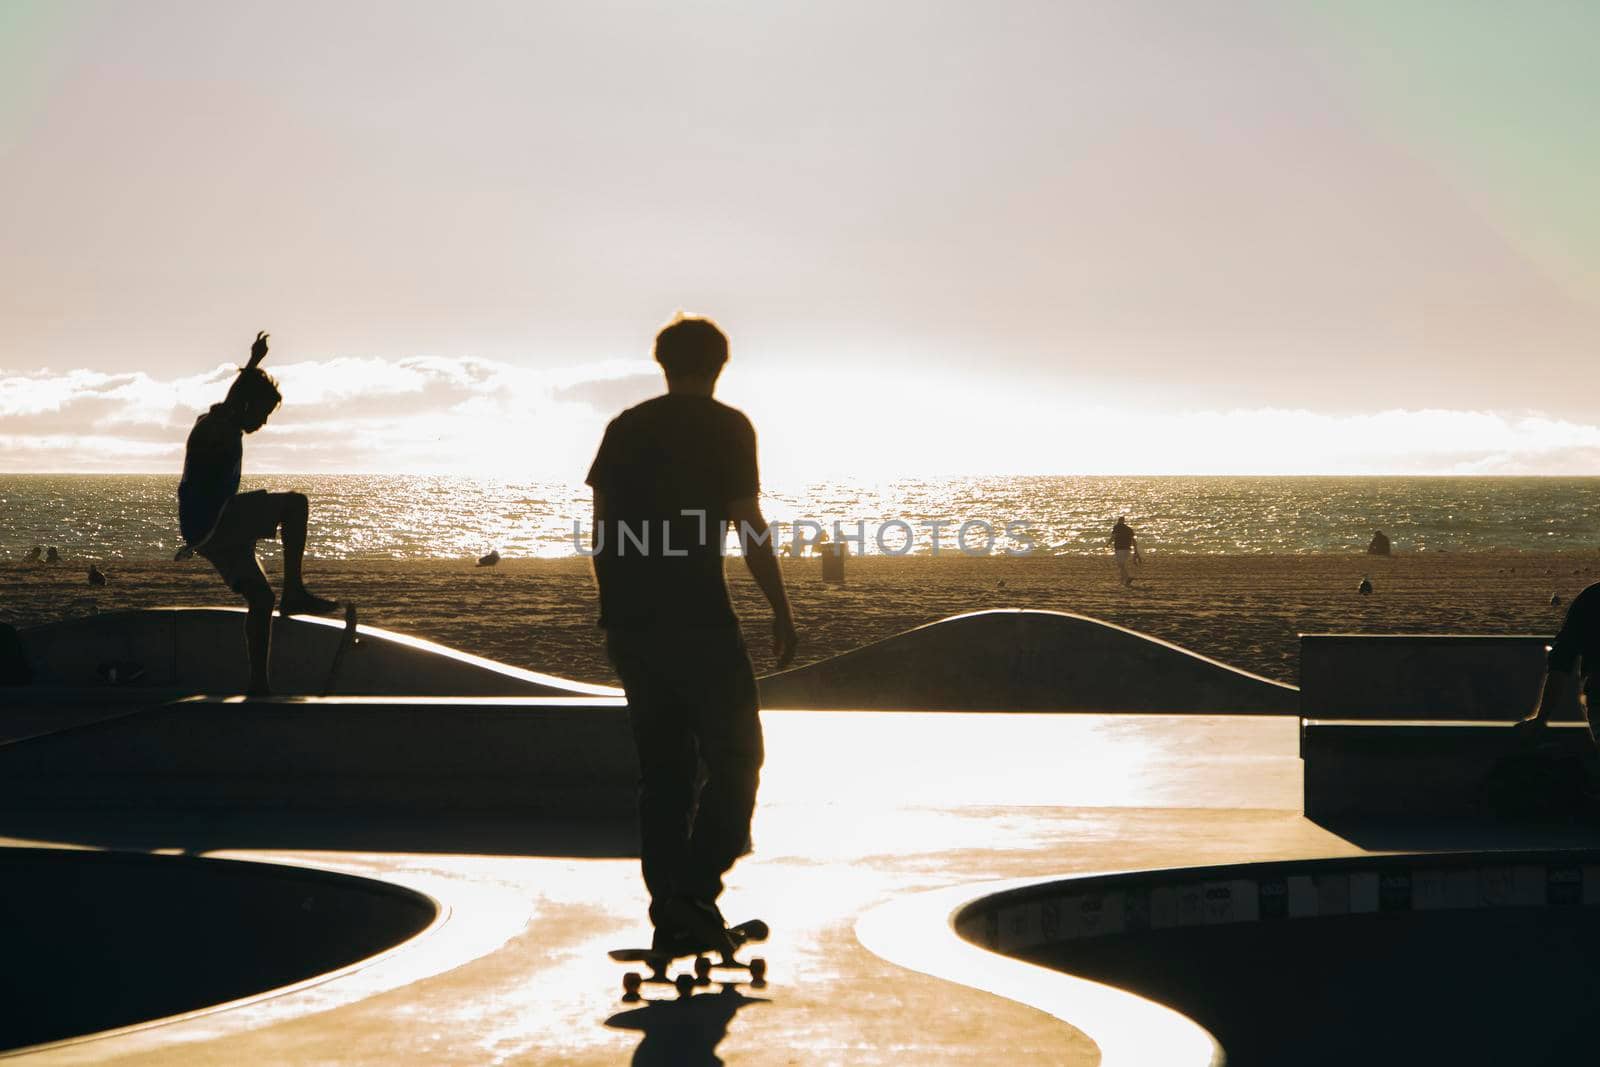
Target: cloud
613	394
432	414
424	414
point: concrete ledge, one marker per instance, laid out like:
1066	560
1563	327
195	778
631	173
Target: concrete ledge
1423	676
1418	768
201	650
544	755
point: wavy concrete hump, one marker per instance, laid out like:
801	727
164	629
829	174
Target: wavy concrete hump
1022	660
201	650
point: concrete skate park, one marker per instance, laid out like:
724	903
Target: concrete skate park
1014	836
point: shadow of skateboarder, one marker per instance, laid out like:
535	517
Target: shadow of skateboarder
682	1033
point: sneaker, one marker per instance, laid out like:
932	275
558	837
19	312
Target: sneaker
673	942
701	922
304	603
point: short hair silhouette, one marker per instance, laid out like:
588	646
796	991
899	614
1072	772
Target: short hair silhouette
255	390
691	347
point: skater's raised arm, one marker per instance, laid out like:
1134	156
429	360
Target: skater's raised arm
258	350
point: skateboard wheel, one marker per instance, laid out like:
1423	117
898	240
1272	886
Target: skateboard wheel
702	970
685	984
758	972
630	985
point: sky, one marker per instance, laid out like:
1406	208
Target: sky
944	238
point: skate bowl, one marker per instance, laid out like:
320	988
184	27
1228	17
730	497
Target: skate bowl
201	650
104	940
1379	959
1024	660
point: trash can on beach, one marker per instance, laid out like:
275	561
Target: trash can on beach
833	554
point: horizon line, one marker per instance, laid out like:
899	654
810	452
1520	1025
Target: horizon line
918	476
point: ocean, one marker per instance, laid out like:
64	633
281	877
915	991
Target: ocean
357	516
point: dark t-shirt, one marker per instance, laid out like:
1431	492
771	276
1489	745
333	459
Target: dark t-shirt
211	464
655	565
1121	536
1580	635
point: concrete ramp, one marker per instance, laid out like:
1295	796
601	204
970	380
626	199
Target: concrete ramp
1425	676
201	650
1021	660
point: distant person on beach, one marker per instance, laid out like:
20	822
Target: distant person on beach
1379	545
1123	545
223	525
670	474
1575	653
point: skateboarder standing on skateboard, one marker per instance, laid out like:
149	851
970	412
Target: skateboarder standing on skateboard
670	474
1123	545
1576	649
223	525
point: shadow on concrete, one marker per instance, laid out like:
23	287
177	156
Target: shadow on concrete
196	833
682	1033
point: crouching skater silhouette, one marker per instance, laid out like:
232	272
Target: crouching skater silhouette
223	525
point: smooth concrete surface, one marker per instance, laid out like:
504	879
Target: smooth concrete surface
1484	770
1023	660
1424	676
202	650
860	815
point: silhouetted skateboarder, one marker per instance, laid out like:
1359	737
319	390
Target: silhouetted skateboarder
671	473
223	525
1576	651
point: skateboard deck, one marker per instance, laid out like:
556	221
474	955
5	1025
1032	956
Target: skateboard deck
347	640
120	672
659	962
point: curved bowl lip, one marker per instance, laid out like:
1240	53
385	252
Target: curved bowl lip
920	932
441	915
1024	890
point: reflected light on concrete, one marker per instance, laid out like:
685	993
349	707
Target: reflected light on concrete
873	761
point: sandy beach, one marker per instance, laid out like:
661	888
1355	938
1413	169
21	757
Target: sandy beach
1243	610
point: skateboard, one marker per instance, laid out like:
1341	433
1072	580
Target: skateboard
347	640
120	672
744	934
